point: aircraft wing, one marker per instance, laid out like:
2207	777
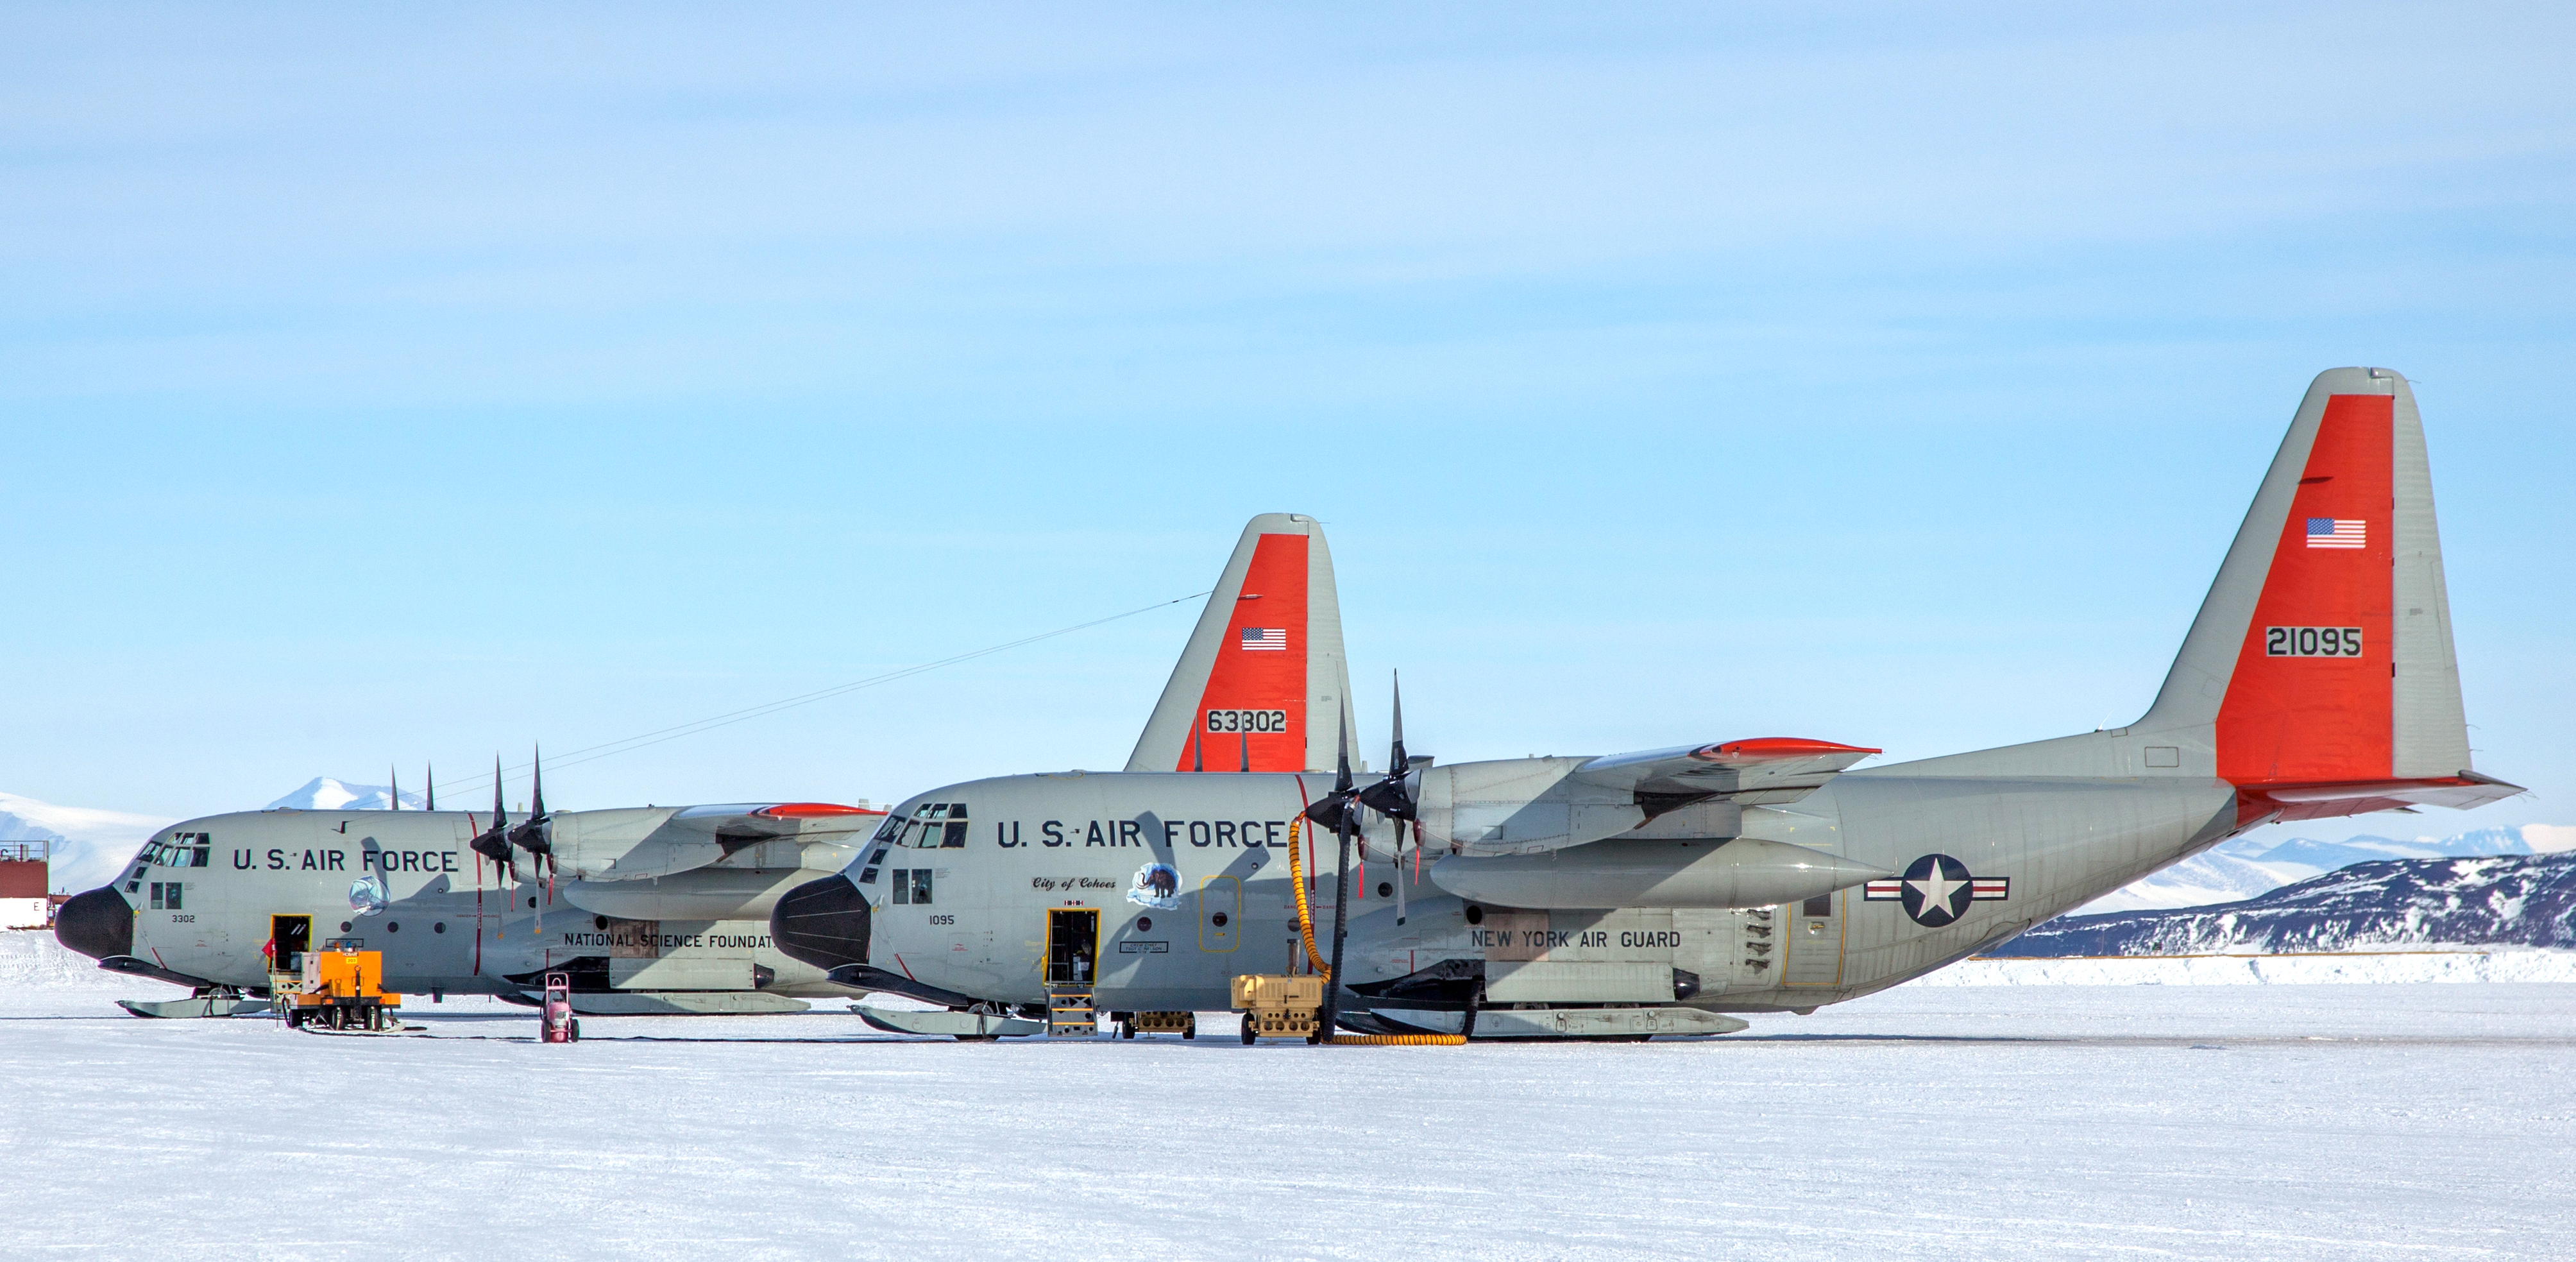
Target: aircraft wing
741	824
634	843
1764	771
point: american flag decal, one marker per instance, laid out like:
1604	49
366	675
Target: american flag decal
2337	532
1274	639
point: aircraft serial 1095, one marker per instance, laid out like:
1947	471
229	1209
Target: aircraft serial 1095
1653	892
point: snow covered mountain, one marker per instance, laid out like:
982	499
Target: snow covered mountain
322	793
89	844
2247	867
2519	900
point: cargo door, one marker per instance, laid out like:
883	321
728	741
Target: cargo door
1815	945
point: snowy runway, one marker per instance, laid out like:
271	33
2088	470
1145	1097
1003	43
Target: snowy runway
1979	1121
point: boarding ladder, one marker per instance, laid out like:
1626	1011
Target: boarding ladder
1069	1013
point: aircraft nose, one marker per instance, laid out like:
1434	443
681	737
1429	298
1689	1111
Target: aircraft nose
823	923
98	924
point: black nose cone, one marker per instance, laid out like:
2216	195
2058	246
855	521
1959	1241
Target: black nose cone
823	923
97	924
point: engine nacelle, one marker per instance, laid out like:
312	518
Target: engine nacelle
640	842
626	844
1519	806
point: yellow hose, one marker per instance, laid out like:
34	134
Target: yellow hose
1305	918
1306	926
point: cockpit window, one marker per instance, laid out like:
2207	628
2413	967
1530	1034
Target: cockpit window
934	826
181	850
165	896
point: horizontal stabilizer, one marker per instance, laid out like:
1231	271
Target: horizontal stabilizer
2291	802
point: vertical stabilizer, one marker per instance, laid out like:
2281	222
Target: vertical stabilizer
2323	652
1264	670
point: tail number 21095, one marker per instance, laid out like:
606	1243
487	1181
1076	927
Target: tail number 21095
2312	641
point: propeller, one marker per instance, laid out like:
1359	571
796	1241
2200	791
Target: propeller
494	843
1393	796
429	774
394	791
1398	797
530	835
1340	811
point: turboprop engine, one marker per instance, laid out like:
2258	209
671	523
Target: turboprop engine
698	862
1663	828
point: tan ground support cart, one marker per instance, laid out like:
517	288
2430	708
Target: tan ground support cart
1131	1024
1277	1006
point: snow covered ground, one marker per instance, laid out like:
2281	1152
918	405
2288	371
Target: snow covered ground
1937	1120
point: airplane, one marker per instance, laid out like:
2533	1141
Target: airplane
651	910
1628	895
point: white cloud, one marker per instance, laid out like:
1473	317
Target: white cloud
2549	838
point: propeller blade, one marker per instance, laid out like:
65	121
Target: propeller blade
1393	796
494	843
429	774
530	835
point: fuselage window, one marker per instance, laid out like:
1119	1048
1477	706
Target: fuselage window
911	887
165	896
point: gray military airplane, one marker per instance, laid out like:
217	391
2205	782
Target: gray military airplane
649	909
1653	892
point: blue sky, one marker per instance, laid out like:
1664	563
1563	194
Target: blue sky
382	387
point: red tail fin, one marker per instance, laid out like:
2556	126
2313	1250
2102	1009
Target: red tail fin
2311	696
1263	673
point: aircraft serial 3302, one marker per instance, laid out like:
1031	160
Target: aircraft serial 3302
658	910
1653	892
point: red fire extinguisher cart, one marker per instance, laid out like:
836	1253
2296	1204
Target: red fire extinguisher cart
555	1021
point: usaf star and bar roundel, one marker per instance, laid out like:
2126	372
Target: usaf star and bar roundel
1937	890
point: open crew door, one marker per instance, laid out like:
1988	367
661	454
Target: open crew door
1073	945
289	937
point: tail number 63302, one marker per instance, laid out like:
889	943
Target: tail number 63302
1255	721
